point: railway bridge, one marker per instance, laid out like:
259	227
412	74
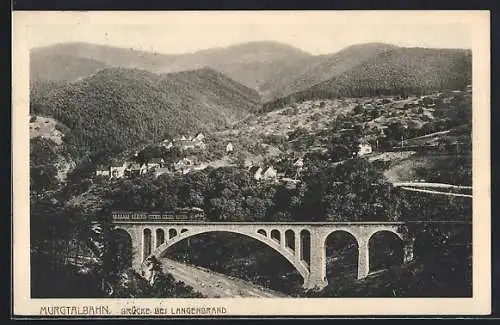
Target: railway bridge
290	239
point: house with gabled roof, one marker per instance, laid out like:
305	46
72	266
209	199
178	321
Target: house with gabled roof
199	137
270	173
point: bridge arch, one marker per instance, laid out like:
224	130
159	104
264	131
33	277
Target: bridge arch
385	248
172	232
125	242
299	266
276	235
305	247
289	237
342	254
160	237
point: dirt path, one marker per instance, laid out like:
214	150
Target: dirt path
215	285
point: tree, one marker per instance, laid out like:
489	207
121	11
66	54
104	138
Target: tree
339	152
43	178
395	131
350	191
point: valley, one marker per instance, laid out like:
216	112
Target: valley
255	132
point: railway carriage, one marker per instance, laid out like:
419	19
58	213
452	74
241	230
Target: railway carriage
182	214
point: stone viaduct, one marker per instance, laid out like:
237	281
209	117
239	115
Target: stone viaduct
287	238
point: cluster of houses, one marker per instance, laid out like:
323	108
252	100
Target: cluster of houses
130	168
157	166
185	142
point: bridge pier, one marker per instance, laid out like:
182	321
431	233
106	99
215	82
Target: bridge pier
297	246
363	257
317	268
136	234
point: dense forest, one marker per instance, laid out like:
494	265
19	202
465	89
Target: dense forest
307	72
395	72
123	108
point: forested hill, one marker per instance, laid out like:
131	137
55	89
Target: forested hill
394	72
118	108
300	75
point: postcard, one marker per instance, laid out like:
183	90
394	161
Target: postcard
251	163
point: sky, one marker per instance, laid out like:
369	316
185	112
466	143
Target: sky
316	32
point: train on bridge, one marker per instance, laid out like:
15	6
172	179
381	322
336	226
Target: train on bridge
182	214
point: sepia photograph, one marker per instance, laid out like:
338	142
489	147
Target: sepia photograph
282	155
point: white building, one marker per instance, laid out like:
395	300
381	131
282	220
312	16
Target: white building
229	147
118	171
102	173
364	149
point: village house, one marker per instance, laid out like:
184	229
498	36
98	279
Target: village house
118	171
263	173
167	144
364	149
102	173
190	142
270	173
155	163
199	137
183	165
229	147
299	163
256	171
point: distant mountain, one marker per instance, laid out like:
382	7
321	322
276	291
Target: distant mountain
392	72
61	67
248	63
251	64
274	69
118	108
107	55
298	75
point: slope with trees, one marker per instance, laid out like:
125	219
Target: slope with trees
122	108
400	71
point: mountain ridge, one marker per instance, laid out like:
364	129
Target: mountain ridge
274	69
393	72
